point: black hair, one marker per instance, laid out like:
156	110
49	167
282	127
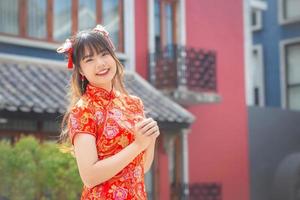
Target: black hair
91	42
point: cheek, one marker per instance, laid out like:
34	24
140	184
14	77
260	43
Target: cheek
87	69
112	63
110	60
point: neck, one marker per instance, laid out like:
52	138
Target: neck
108	87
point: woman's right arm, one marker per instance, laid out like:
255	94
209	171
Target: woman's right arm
94	171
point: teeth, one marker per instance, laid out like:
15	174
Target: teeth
103	71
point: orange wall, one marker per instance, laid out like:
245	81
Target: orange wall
218	142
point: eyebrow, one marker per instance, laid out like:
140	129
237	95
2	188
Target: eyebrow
86	56
91	55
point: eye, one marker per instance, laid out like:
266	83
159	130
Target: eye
88	60
105	53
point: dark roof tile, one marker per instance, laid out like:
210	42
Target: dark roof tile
33	87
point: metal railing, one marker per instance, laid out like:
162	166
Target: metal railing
179	66
197	191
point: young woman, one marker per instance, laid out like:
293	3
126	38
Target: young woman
112	139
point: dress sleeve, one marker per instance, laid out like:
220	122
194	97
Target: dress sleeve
81	120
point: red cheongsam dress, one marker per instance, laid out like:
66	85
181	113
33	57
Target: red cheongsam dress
108	117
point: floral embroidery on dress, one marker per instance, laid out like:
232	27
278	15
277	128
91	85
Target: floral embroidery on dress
123	141
111	131
140	189
74	123
137	173
115	114
99	117
127	175
119	193
108	120
96	194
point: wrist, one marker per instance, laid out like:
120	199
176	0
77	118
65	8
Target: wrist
153	141
139	147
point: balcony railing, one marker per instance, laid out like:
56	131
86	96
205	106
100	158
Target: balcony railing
179	68
197	191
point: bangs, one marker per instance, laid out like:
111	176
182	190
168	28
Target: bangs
89	44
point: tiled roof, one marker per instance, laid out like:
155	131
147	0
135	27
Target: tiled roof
41	88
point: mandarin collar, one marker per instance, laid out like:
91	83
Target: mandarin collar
99	93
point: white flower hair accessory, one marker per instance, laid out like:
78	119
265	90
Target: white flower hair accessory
67	48
99	28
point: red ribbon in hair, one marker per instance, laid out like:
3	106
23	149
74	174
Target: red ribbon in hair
67	48
70	62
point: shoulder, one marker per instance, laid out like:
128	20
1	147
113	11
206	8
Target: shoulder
127	97
136	99
132	100
82	105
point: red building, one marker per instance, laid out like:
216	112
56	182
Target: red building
217	141
191	51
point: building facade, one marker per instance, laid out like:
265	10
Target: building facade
191	54
272	55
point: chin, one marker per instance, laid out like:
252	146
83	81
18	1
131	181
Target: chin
104	82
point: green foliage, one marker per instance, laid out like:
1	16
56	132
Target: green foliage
30	170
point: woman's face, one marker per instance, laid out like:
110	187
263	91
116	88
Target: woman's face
98	69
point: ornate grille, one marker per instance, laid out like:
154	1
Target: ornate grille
197	191
176	66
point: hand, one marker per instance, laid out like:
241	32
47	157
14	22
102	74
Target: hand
146	131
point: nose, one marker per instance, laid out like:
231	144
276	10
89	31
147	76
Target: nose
100	62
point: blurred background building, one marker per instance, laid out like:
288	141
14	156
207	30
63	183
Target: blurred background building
272	49
221	78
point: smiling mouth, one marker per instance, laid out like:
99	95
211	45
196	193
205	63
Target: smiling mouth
103	72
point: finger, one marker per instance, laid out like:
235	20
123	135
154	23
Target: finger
127	126
151	131
148	126
144	123
155	135
140	118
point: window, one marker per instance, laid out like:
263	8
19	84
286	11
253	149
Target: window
169	28
292	62
36	15
112	18
55	20
258	89
9	17
256	20
61	19
87	11
289	11
157	28
165	25
169	18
